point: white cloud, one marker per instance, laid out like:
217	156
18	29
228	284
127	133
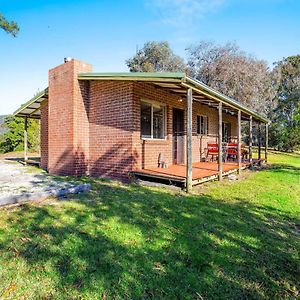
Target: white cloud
179	13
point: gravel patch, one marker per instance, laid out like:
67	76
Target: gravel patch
18	184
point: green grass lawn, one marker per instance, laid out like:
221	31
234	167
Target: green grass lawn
231	240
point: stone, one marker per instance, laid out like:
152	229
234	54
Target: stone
232	177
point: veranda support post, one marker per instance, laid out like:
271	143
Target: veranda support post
239	133
259	143
25	141
250	140
189	167
220	150
266	142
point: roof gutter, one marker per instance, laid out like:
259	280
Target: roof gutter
138	76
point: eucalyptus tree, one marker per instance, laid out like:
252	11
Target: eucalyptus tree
11	27
234	73
156	57
285	129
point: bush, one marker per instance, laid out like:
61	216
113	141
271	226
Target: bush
13	139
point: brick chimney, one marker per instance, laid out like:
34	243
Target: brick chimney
68	126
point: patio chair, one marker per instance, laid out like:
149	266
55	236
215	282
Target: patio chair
212	150
232	151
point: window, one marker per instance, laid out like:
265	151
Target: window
226	132
152	120
202	125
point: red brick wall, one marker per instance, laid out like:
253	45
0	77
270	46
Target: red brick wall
81	127
116	146
111	124
94	127
68	123
44	135
147	151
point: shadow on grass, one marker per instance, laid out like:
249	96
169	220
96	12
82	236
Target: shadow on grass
32	160
134	242
289	154
283	167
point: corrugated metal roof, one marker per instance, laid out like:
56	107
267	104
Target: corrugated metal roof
173	82
132	75
179	82
230	101
31	108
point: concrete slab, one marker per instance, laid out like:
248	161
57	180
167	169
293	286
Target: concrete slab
20	183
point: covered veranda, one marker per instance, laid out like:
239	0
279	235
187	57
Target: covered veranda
31	110
192	91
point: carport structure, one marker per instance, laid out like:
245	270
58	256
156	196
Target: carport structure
31	110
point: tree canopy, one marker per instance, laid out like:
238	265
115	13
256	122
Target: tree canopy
156	57
237	74
13	138
233	72
10	27
285	128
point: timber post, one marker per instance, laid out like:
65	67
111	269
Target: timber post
250	140
266	142
259	143
25	141
220	150
239	152
189	167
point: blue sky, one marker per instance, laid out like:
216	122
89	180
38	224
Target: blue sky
105	33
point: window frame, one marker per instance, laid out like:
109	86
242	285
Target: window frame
155	103
228	137
200	127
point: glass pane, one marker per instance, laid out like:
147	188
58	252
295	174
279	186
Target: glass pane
146	120
225	131
228	132
158	122
198	125
202	131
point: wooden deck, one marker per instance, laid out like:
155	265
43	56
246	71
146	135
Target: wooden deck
202	172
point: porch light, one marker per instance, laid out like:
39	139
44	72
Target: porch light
180	100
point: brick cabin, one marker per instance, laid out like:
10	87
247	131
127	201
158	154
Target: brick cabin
112	124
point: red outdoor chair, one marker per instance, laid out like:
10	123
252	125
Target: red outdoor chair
212	150
232	150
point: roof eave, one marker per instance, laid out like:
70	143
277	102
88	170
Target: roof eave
227	100
173	77
138	76
41	94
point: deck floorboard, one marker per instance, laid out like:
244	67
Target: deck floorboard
201	170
